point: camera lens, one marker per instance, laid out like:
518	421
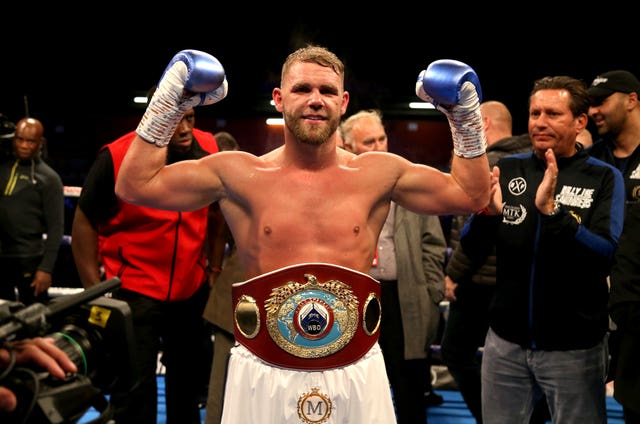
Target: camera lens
77	344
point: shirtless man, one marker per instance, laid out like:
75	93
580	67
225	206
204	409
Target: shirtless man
281	209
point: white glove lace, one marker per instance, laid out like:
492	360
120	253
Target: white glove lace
167	107
465	121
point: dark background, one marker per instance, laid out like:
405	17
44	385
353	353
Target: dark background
77	69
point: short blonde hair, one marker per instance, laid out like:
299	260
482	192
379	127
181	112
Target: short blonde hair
314	54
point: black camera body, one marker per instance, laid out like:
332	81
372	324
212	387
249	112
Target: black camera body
97	336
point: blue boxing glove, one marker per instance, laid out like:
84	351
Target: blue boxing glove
192	78
454	89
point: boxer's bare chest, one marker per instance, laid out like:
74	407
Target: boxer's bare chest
326	209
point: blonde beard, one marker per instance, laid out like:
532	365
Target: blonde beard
305	136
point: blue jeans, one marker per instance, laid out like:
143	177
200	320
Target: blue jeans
514	379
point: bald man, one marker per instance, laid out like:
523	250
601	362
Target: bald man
31	206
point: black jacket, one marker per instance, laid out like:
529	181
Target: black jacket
459	267
603	150
624	306
31	205
551	289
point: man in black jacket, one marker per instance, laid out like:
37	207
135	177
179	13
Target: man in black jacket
624	307
615	111
555	218
31	217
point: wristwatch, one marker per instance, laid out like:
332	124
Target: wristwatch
556	209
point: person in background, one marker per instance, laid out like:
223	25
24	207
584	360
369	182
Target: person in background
624	308
161	258
226	141
31	217
281	208
40	351
555	218
226	270
470	286
409	263
615	112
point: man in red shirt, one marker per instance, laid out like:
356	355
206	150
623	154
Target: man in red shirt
160	256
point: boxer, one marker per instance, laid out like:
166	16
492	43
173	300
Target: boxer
306	316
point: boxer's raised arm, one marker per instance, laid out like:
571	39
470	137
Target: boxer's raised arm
454	88
192	78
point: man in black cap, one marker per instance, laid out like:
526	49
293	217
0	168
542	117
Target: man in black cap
615	111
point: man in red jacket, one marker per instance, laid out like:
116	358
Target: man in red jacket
160	256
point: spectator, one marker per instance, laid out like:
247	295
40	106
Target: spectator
470	286
624	307
409	263
615	111
226	141
302	354
548	320
31	217
160	257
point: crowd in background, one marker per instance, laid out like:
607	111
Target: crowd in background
32	211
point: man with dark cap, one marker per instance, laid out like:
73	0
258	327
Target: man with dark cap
615	111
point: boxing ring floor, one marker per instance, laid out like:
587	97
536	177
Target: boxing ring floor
452	411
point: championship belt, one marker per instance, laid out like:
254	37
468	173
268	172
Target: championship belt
311	316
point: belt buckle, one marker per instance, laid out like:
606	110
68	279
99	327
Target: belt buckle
312	320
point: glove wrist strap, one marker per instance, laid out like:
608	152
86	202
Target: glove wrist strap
465	121
166	108
159	122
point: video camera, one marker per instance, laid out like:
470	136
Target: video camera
95	331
